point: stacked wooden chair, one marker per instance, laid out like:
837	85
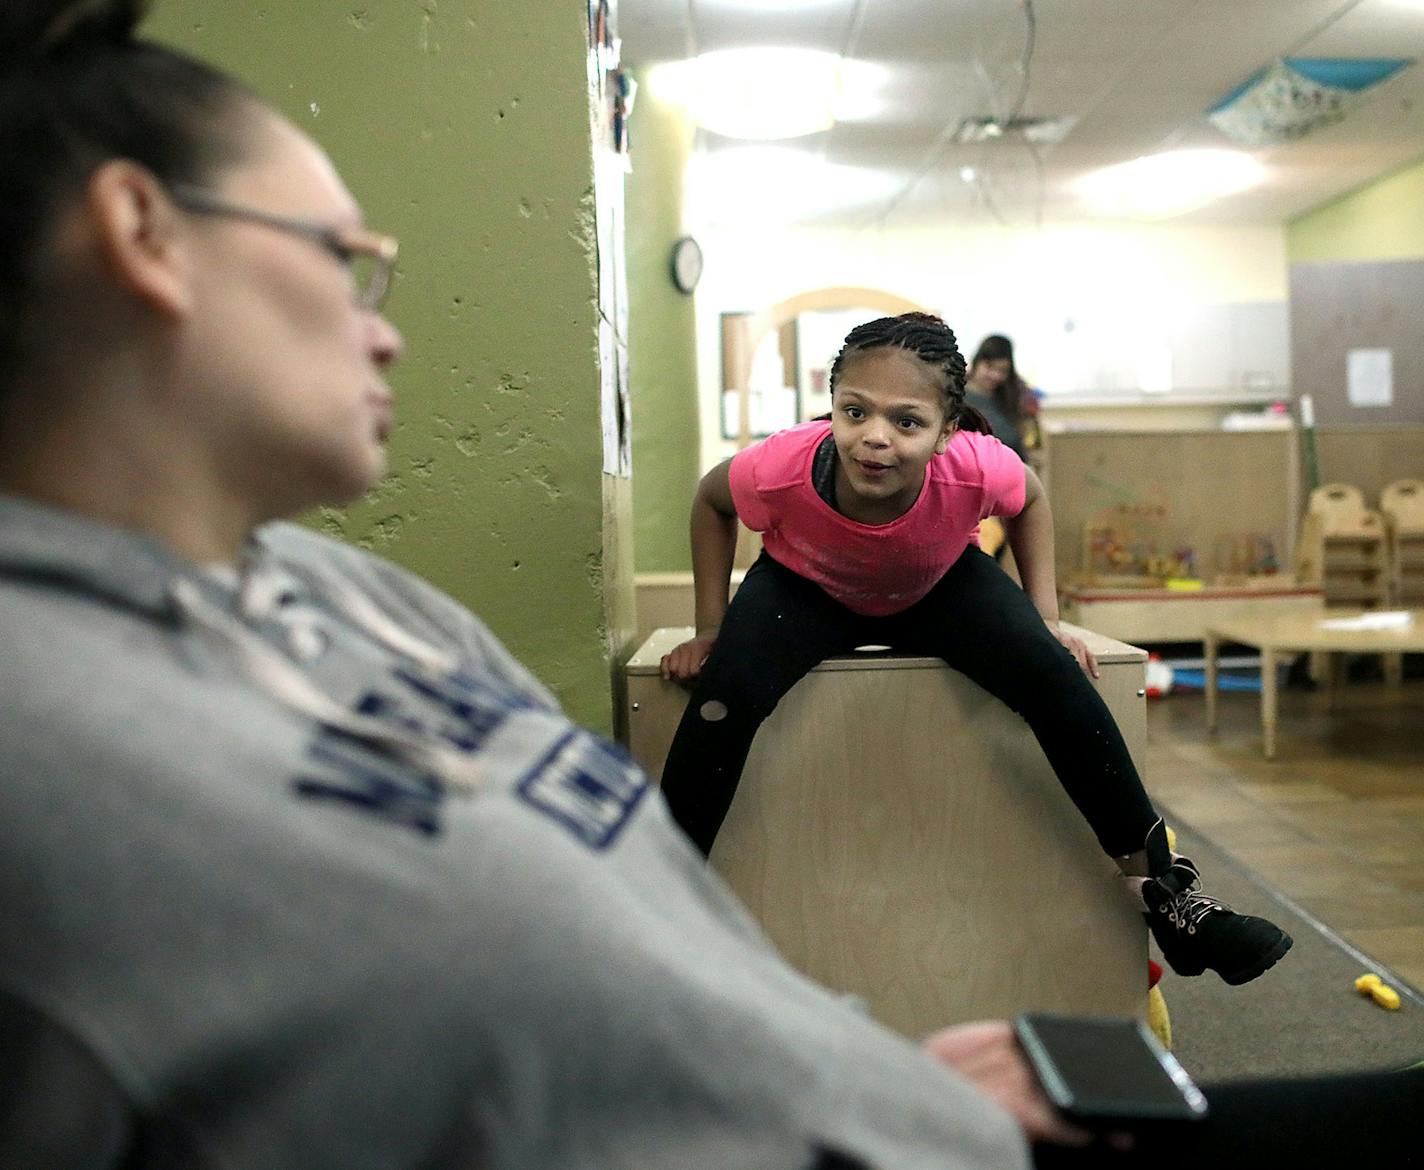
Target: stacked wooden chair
1402	504
1343	548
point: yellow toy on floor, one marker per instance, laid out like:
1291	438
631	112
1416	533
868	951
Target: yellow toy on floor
1157	1018
1378	990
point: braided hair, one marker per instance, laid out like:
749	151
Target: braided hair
929	339
78	88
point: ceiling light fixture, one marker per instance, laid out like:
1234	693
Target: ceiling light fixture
743	185
758	93
1159	186
984	128
776	5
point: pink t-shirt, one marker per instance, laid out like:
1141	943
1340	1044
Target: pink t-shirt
873	569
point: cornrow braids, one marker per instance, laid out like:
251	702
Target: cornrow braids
929	339
78	88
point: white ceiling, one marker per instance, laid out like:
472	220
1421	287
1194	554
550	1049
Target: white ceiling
1136	75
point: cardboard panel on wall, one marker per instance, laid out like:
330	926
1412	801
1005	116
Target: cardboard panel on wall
1370	458
1340	308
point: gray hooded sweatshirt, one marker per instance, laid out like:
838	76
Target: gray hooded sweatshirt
299	869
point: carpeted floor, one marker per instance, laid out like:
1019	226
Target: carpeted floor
1303	1015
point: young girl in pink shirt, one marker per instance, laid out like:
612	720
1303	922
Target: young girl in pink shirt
869	525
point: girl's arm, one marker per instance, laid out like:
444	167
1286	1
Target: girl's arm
1030	536
714	544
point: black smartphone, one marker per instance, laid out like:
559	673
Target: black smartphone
1108	1073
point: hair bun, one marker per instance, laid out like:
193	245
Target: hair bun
37	28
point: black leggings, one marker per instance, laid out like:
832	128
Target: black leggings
780	625
1364	1119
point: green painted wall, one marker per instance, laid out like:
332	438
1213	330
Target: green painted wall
463	127
662	343
1383	221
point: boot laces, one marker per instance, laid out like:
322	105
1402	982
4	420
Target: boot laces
1186	910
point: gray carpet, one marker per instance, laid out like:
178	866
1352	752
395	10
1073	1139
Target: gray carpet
1301	1016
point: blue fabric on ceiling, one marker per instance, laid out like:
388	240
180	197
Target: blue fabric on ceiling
1348	73
1352	73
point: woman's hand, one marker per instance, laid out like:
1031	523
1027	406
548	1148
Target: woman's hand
1076	647
987	1053
684	662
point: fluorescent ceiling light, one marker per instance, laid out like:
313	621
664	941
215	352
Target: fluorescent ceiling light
749	185
1158	186
761	93
775	5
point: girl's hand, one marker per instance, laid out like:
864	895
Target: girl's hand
684	662
987	1053
1078	648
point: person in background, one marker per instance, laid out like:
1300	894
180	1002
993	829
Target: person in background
993	387
299	869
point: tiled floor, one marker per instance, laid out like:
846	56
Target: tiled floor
1335	822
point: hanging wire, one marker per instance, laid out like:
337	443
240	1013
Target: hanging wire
1030	33
690	32
1321	27
942	142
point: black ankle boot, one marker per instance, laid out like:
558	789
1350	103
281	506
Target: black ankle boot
1196	932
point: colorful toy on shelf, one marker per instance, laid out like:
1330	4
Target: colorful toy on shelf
1122	546
1127	546
1245	556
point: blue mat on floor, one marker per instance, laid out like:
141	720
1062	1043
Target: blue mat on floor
1195	680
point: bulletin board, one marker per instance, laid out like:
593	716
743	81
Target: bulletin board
1340	308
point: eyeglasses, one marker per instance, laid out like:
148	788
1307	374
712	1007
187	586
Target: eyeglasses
369	256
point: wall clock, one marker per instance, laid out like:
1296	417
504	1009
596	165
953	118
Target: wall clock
686	264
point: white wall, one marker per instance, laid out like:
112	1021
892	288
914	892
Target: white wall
1090	307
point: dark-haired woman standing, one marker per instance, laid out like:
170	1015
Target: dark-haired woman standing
993	387
869	524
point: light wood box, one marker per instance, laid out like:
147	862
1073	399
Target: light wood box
900	837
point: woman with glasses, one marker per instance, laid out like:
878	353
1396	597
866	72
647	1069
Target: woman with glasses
298	868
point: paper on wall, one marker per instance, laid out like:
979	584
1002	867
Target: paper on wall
1370	377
